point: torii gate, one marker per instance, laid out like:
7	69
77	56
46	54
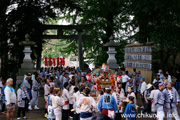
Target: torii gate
79	37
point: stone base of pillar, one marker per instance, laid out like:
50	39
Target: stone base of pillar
26	67
113	66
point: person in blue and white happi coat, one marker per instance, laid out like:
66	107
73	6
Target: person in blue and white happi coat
107	104
130	83
27	81
159	102
22	97
157	79
37	85
171	101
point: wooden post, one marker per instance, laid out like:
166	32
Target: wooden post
80	52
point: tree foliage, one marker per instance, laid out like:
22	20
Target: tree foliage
21	17
109	18
158	21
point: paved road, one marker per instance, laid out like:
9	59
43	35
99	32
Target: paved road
31	115
39	114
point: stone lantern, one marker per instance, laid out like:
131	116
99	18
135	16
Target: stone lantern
27	66
112	62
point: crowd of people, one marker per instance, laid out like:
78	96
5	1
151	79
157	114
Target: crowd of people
70	94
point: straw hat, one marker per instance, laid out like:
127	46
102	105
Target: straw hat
149	86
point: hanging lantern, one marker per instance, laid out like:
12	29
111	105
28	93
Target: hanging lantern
118	78
88	77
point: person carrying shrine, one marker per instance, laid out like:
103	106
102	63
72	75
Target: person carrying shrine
107	104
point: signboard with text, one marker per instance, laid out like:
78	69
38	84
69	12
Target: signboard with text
139	56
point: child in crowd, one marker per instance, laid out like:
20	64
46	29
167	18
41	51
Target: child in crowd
130	109
51	115
46	93
57	104
22	97
131	93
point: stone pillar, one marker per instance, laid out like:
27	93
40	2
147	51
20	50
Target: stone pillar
80	51
112	62
27	66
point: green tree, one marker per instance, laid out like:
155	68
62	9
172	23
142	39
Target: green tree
21	17
109	18
158	21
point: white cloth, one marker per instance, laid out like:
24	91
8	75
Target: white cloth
124	78
160	115
154	81
170	93
87	104
58	115
46	89
10	97
132	94
71	92
57	103
76	97
169	78
121	96
153	107
89	118
143	87
52	84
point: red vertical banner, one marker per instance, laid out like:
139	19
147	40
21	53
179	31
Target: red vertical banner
57	61
54	61
50	61
45	61
60	61
63	61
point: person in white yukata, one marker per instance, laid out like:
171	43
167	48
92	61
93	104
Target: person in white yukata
171	101
119	97
57	104
10	98
87	105
66	107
